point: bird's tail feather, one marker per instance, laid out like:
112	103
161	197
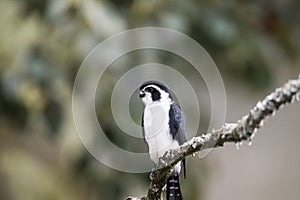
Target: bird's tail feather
173	187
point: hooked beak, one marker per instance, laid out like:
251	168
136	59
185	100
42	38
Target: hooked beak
142	94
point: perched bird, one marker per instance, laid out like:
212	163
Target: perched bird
163	128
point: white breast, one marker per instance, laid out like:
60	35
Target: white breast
156	129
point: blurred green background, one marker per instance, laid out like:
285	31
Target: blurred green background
255	44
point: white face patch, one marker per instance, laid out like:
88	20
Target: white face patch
147	99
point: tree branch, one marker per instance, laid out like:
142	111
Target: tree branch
243	130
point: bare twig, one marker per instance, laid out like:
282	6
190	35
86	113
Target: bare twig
243	130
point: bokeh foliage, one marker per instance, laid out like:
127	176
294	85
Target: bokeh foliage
42	44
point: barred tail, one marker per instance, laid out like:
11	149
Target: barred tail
173	187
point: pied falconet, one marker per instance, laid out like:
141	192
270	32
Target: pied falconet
163	129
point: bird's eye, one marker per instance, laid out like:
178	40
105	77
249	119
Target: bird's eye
149	89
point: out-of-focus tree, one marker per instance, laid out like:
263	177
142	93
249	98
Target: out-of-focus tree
42	44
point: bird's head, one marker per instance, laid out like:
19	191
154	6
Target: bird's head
153	91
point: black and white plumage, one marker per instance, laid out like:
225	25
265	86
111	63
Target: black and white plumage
163	128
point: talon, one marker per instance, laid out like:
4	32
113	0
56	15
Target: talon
152	173
151	176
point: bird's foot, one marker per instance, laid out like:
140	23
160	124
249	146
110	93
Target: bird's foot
152	173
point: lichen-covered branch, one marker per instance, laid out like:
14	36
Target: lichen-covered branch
243	130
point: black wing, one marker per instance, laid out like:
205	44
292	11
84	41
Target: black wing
177	123
177	127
